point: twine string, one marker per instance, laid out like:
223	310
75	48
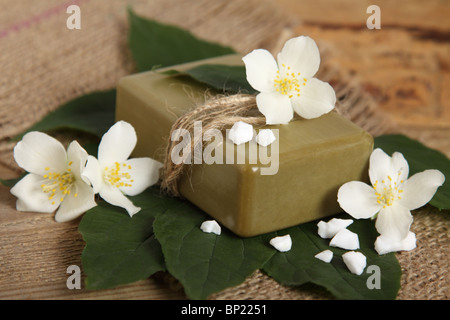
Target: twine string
217	113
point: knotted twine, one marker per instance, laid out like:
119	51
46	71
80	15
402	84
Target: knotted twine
217	113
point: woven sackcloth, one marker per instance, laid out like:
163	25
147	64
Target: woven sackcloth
43	65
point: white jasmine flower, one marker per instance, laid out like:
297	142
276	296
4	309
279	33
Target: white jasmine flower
54	180
391	196
287	85
113	175
282	243
211	226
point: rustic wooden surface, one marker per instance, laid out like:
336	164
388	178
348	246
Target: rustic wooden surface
405	66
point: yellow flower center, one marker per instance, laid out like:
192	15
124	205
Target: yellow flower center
117	176
388	191
60	183
288	83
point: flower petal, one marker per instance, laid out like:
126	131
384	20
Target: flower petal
93	174
355	261
325	256
275	107
211	226
80	200
420	188
37	152
22	206
261	69
388	169
117	144
394	222
265	137
282	243
76	157
400	167
115	197
144	172
345	239
316	98
358	200
380	166
31	197
385	245
302	55
240	132
327	230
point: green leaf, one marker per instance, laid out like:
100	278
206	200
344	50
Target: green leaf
298	266
154	44
206	263
231	79
166	234
93	113
420	158
119	249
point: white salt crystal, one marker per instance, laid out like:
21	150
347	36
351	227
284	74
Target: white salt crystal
345	239
211	226
241	132
355	261
385	245
282	243
265	137
329	229
325	256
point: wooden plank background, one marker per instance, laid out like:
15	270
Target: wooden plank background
405	66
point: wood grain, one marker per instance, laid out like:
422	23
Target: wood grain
405	65
35	253
429	16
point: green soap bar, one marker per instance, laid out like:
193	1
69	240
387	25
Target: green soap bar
315	157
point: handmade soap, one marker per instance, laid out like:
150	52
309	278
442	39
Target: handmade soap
297	181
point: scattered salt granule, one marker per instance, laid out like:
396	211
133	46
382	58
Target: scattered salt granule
345	239
265	137
211	226
329	229
385	245
282	243
241	132
355	261
325	256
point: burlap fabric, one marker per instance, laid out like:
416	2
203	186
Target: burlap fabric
43	64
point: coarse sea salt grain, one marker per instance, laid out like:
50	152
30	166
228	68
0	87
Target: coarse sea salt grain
329	229
282	243
385	245
325	256
345	239
355	261
265	137
211	226
241	132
